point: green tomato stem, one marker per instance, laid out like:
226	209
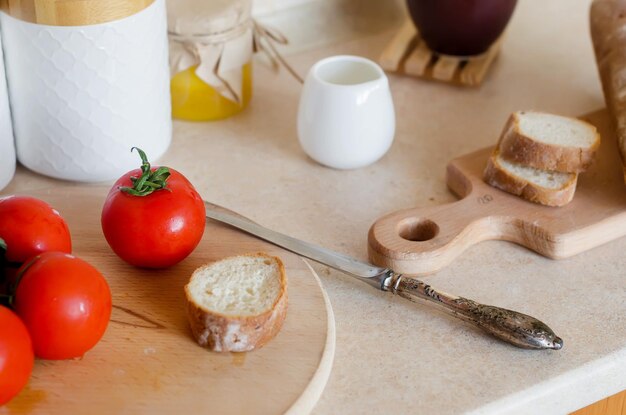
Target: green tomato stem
149	181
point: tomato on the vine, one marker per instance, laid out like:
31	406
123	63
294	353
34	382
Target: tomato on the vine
153	217
30	226
16	355
64	302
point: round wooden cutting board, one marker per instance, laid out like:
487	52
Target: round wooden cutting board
148	362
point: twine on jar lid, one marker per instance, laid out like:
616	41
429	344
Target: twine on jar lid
265	39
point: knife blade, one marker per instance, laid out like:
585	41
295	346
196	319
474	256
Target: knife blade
510	326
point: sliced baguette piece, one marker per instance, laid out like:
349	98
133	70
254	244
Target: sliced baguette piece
237	304
538	186
549	142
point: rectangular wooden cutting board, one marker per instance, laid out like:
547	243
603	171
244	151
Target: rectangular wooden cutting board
423	240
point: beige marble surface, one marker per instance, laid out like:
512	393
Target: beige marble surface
397	357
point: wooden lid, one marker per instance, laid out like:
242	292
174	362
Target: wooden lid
72	12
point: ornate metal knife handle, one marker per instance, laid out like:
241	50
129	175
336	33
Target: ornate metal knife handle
519	329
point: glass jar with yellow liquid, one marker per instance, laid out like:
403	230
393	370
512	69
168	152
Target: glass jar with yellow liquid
211	45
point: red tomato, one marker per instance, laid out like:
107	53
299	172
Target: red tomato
151	228
16	355
64	302
30	226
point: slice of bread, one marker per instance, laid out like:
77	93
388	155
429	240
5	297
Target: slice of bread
237	304
549	142
540	186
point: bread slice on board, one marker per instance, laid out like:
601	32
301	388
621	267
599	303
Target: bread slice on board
549	142
607	20
538	186
237	304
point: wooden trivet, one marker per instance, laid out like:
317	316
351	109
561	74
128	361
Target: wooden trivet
408	54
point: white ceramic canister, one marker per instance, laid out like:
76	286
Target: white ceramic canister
7	147
82	96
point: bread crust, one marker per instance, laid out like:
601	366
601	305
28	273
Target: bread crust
498	177
518	148
607	20
222	333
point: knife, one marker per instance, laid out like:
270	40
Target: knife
510	326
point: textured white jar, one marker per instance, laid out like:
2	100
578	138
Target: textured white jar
82	96
7	147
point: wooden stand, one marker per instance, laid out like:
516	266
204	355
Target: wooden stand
408	54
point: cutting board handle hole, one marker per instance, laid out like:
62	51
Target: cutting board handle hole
418	229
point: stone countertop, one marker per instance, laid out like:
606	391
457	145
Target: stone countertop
393	356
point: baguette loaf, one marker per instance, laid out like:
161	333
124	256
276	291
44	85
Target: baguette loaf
538	186
549	142
237	304
608	32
